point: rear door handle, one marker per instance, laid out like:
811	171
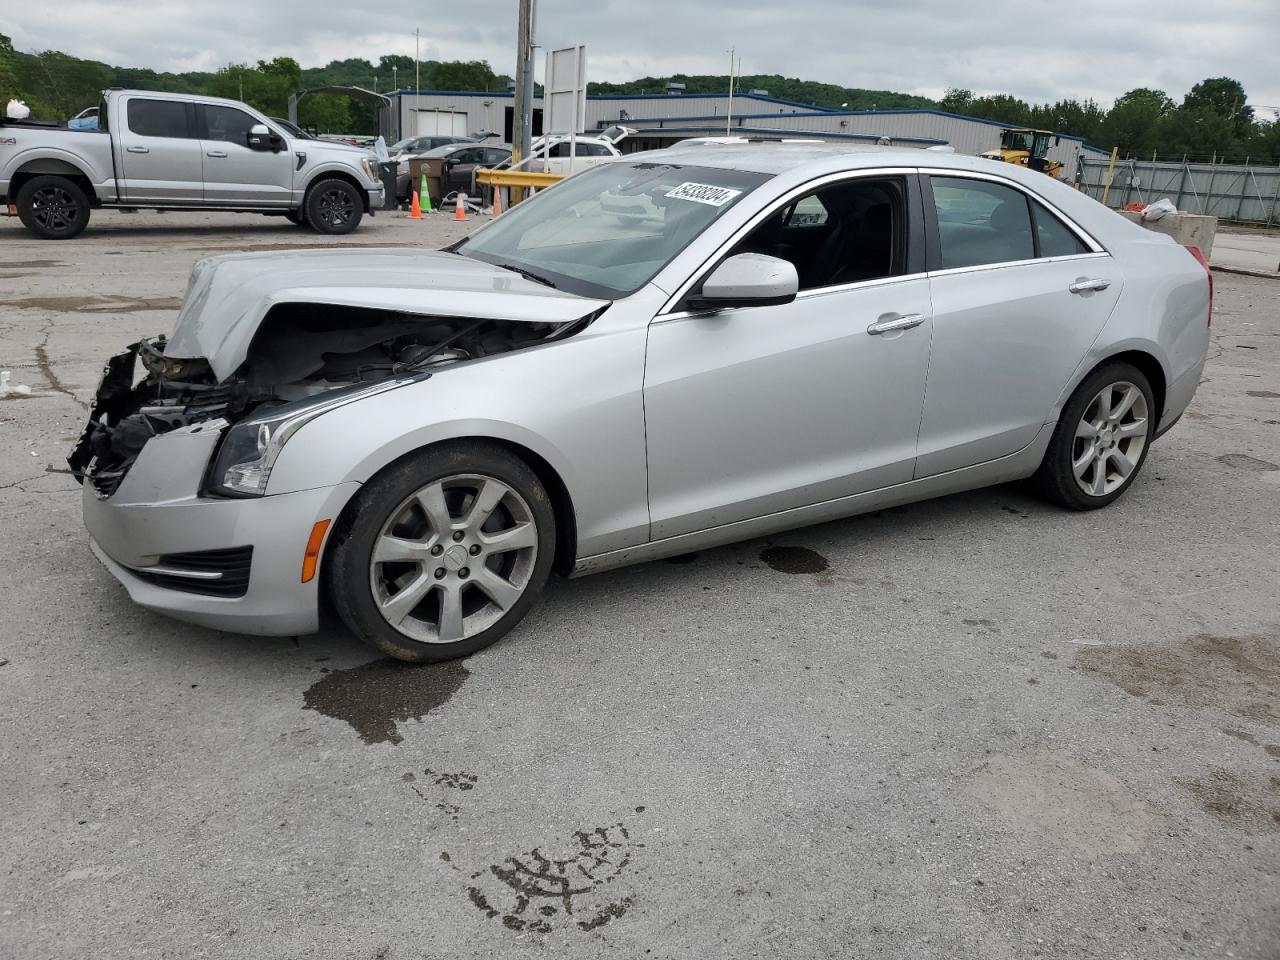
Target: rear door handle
1084	286
896	323
137	150
216	153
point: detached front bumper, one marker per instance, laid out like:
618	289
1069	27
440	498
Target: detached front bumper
157	512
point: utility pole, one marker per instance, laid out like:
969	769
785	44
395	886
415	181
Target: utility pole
417	70
522	112
728	117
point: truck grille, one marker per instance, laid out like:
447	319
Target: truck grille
231	567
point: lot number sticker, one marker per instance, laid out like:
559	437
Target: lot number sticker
704	193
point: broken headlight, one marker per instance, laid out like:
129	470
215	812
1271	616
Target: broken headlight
249	448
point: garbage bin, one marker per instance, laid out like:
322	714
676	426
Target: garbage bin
388	171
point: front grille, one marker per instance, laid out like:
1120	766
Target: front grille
233	565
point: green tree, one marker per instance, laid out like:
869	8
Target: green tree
462	75
1198	133
957	100
265	87
1225	97
1132	124
325	113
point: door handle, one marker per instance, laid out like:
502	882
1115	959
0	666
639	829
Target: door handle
136	150
896	323
216	153
1085	286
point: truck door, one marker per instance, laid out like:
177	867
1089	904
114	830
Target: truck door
158	153
235	174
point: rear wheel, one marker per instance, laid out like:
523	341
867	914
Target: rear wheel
1101	440
52	207
443	553
334	207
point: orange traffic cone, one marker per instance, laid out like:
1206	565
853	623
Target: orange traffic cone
497	202
460	208
415	211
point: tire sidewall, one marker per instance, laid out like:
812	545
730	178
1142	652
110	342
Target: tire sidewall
311	207
1056	476
24	202
350	553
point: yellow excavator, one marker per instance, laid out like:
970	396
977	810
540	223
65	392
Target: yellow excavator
1027	148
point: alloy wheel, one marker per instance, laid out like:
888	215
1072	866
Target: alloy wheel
453	558
1110	439
54	208
336	208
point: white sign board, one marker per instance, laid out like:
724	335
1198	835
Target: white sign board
564	101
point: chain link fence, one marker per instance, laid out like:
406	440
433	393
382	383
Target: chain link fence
1244	193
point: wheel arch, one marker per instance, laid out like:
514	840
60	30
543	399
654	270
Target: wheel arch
54	167
336	173
1141	354
548	475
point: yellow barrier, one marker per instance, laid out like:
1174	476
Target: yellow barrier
517	178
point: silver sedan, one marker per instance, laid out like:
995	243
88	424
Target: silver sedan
782	335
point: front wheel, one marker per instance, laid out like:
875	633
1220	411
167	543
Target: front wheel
334	207
443	552
53	208
1101	440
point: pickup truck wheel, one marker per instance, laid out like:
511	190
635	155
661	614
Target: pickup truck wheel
443	552
53	208
334	207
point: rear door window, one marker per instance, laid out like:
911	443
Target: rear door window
980	222
158	118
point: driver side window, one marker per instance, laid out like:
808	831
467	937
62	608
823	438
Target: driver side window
845	232
227	124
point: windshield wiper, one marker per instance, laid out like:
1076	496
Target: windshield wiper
527	274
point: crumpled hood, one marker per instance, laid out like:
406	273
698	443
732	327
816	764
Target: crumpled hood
227	297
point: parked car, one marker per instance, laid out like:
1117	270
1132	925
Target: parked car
553	153
416	146
86	119
808	332
461	160
170	151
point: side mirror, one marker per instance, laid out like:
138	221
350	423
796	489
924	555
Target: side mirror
259	137
748	280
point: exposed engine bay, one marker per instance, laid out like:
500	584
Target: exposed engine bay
300	350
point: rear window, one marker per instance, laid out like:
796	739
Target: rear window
980	222
158	118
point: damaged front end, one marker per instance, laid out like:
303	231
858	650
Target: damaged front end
304	359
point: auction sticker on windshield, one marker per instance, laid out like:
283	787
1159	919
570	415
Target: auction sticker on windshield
703	193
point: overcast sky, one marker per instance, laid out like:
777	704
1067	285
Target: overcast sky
1040	51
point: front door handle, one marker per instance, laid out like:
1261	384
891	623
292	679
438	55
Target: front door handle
896	323
1085	286
137	150
216	153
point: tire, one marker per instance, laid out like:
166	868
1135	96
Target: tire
334	207
1092	448
387	546
52	207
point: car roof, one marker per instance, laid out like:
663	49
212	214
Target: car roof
775	157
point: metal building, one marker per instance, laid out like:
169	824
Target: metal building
663	119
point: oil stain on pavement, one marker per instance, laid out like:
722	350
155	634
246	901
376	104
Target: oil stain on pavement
376	696
793	560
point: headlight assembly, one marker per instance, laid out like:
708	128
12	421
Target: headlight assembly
249	448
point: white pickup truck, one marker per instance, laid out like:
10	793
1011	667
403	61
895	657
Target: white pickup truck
172	151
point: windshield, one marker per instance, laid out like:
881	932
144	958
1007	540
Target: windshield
608	231
1017	141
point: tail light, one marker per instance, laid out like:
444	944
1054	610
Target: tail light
1204	262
